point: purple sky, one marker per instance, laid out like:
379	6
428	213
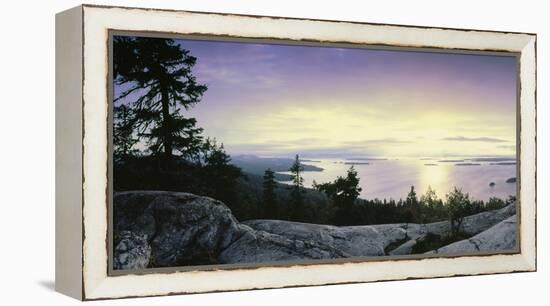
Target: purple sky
263	71
271	99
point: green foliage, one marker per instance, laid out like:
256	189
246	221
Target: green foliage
156	80
295	170
412	206
411	197
458	206
297	190
123	133
219	176
248	200
433	242
269	197
344	191
213	176
431	208
495	203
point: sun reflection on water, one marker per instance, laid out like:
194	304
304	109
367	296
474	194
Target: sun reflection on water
437	177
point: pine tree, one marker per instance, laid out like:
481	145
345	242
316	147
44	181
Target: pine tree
344	191
297	189
269	197
220	176
412	205
155	81
432	208
123	134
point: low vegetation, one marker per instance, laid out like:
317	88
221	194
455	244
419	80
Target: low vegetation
433	242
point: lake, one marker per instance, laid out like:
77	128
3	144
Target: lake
393	178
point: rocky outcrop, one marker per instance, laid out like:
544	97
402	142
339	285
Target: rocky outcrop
351	240
259	246
497	238
376	240
160	229
181	228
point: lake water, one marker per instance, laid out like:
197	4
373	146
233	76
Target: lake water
393	178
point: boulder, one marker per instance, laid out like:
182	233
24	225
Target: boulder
162	229
181	228
499	237
260	246
351	240
471	225
478	223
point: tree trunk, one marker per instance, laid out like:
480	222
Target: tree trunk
167	135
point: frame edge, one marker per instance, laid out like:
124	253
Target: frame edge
99	289
68	152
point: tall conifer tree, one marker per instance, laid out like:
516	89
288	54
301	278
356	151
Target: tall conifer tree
157	82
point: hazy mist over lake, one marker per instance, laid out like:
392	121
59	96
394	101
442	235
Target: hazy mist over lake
393	178
282	100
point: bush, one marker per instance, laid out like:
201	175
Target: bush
433	242
458	207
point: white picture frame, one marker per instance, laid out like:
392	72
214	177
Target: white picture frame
82	106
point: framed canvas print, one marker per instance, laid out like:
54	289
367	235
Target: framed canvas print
200	152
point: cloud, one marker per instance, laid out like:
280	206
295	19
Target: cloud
315	147
508	147
301	142
379	141
476	139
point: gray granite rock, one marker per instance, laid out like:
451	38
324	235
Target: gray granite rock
374	240
181	228
351	240
499	237
404	249
159	229
132	251
259	246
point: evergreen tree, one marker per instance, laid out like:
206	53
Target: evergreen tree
431	207
269	197
429	198
495	203
123	134
297	189
155	80
412	205
219	175
344	191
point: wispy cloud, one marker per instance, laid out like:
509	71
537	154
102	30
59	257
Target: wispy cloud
476	139
271	99
378	141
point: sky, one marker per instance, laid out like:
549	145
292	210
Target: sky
281	100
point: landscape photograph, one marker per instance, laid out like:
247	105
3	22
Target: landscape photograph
228	152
